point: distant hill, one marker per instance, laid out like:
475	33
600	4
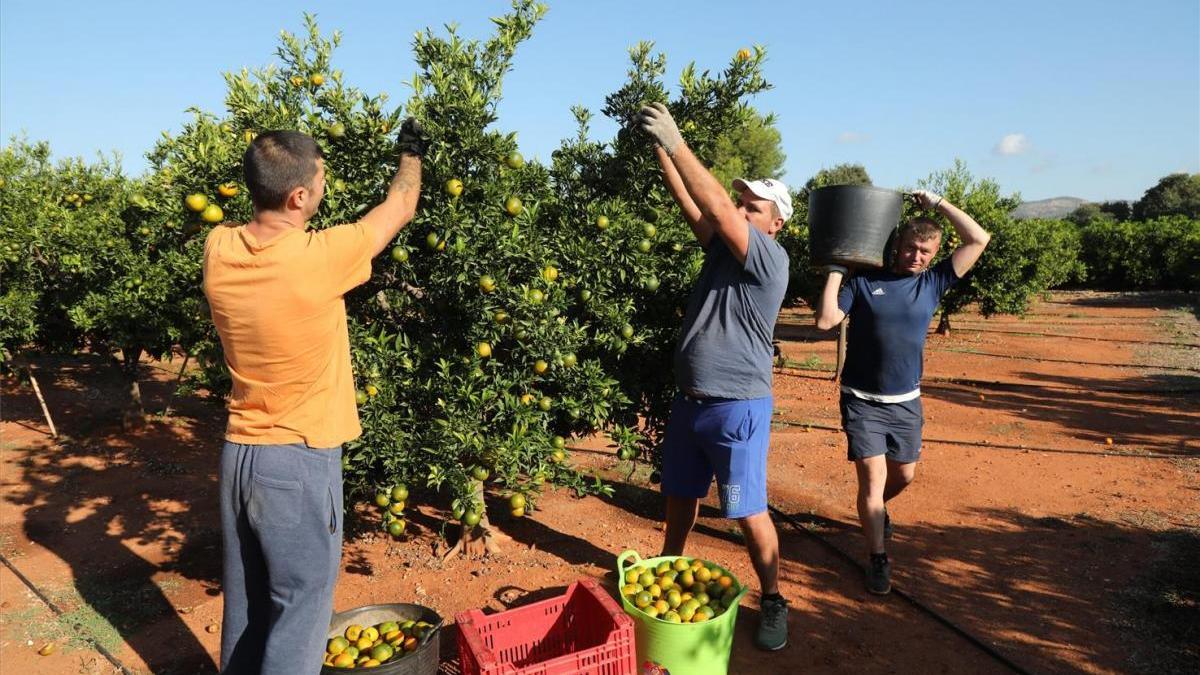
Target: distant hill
1055	207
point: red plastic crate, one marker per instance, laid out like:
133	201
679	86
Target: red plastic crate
583	631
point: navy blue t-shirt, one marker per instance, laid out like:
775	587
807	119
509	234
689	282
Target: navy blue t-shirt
889	317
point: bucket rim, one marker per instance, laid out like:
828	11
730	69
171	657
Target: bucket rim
857	187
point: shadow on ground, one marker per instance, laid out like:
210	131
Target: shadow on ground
1051	594
132	514
1091	410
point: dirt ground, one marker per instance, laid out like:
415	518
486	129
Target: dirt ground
1054	525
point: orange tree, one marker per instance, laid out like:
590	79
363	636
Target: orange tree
524	304
471	369
30	199
63	236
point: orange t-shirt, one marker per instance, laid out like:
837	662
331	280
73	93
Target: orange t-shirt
279	310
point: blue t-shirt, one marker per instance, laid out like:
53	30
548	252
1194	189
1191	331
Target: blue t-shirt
724	349
889	318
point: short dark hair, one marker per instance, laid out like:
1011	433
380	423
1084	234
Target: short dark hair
278	162
922	229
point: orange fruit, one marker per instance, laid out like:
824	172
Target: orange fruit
454	187
317	79
196	202
484	350
513	206
337	645
227	189
382	653
212	214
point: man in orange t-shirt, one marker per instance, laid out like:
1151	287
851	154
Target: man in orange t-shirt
275	289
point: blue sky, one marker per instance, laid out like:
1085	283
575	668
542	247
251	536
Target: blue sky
1093	99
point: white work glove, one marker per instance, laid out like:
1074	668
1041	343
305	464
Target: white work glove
926	199
656	121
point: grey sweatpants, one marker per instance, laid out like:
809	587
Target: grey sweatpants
281	523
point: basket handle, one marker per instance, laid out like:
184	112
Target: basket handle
621	566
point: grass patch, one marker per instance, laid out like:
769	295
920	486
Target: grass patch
96	612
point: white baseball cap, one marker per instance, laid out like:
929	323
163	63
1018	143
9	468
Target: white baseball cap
768	188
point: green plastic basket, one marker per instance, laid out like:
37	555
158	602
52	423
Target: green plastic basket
680	648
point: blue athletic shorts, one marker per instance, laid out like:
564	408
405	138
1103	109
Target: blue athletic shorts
874	428
724	437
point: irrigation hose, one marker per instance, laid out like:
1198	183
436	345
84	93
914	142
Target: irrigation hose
58	612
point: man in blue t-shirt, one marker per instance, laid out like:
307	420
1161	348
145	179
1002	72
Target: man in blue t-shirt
720	422
889	314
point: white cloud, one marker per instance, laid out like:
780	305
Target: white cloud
852	137
1012	144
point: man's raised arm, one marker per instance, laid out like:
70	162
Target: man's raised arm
400	205
703	188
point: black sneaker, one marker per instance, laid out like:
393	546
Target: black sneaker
879	574
772	624
887	524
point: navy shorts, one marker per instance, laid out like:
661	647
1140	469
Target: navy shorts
874	428
721	437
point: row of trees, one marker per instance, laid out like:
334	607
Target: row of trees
527	303
1176	194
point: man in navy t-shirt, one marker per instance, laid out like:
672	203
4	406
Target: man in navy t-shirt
720	422
889	314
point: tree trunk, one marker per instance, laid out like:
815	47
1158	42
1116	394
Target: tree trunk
481	540
944	324
133	414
